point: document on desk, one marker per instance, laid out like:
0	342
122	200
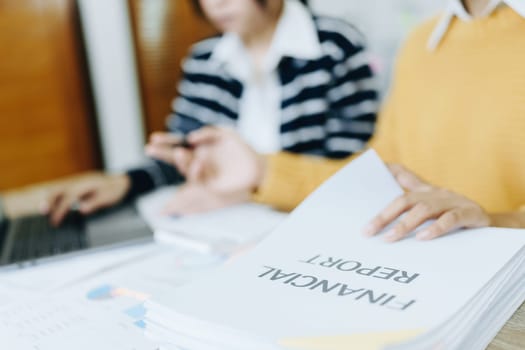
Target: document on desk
105	311
229	227
10	295
317	283
63	271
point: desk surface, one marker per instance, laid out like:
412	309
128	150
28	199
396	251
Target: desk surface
26	200
512	336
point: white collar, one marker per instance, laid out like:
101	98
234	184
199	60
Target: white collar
295	36
455	8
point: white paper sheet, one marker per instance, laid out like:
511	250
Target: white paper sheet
104	311
19	284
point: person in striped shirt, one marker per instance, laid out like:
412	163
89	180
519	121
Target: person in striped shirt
455	117
285	79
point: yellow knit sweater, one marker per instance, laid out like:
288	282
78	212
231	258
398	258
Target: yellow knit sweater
455	116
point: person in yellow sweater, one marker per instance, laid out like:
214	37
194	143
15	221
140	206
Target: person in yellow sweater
455	117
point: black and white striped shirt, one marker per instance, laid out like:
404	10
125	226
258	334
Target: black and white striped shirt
328	104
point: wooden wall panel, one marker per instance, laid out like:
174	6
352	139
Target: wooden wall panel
46	124
163	32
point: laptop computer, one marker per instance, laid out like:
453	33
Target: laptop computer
32	239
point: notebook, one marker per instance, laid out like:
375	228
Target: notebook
220	230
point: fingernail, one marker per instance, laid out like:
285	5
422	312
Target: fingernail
423	235
390	235
369	230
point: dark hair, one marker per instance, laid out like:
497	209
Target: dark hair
197	6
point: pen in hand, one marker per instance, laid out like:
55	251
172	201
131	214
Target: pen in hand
162	146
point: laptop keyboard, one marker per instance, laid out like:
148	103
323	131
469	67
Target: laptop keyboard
31	237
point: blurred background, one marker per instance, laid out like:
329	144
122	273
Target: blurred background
83	82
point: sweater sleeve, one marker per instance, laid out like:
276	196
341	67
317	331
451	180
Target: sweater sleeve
151	175
290	178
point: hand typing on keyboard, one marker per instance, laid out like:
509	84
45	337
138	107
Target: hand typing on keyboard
87	194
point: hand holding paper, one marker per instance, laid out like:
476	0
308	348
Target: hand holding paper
223	163
423	202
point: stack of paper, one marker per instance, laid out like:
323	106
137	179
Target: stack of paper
317	283
220	230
